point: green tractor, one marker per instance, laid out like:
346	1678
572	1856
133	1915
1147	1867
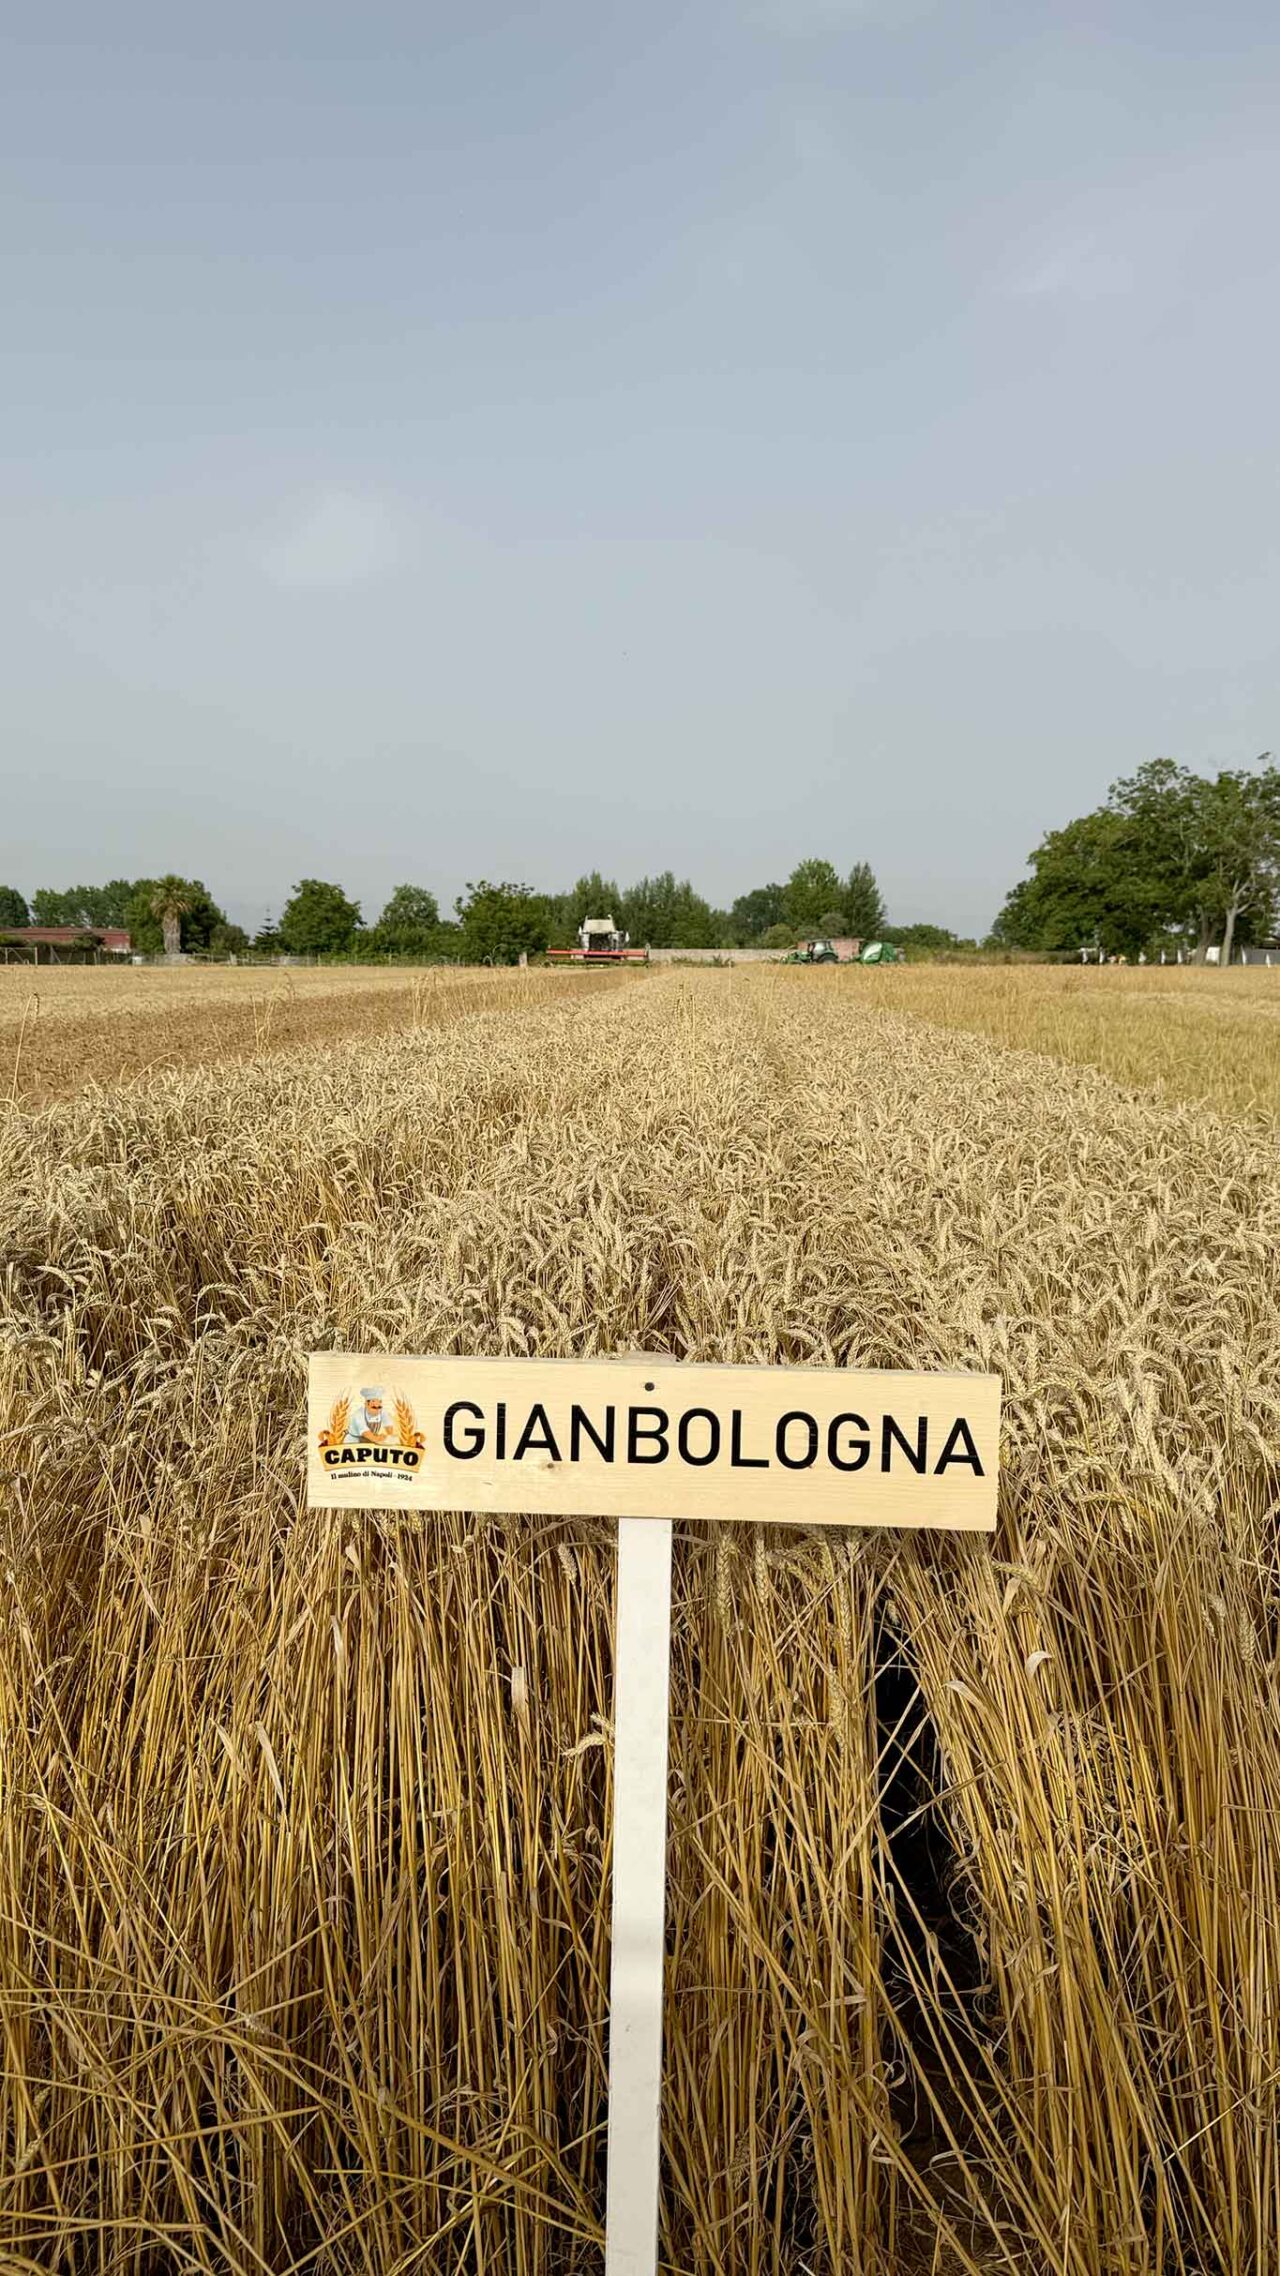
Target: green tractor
813	952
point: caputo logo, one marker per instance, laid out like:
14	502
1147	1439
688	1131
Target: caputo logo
365	1432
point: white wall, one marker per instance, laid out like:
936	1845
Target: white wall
720	955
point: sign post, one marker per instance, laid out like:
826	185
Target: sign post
645	1440
641	1714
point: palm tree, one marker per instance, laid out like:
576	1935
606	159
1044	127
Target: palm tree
170	902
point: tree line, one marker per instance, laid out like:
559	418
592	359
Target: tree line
491	922
158	913
1171	860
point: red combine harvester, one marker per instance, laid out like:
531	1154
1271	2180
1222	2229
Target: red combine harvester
599	942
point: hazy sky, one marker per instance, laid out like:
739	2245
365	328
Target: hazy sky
456	439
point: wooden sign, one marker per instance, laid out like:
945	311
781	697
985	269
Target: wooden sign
654	1438
649	1440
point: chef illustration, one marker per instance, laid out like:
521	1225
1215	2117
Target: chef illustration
368	1425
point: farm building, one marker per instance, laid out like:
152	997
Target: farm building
63	944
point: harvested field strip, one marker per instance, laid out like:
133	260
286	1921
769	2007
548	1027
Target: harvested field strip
64	1029
1190	1031
975	1925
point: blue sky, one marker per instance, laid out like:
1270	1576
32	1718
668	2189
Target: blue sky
456	440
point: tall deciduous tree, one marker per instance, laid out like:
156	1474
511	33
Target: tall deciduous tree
1159	845
408	924
318	919
500	923
1169	851
1239	831
812	888
96	906
863	906
1081	892
660	912
591	896
13	909
754	913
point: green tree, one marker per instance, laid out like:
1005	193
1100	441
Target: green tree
1082	892
409	923
1169	853
228	940
97	906
197	914
1159	845
13	909
49	907
831	923
924	939
658	912
778	936
591	896
105	905
447	946
694	922
170	903
1238	834
863	907
318	919
755	912
811	888
267	938
500	923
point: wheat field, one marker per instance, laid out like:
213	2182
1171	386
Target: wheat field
974	1873
1190	1031
67	1027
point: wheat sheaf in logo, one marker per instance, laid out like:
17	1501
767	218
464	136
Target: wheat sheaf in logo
363	1434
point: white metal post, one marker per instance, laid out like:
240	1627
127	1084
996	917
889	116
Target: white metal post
641	1709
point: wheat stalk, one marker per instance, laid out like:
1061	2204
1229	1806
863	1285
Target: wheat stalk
304	1825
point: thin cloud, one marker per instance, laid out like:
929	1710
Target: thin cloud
342	537
1081	268
805	19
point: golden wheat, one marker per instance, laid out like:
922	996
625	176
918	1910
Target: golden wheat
974	1919
64	1028
1190	1030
